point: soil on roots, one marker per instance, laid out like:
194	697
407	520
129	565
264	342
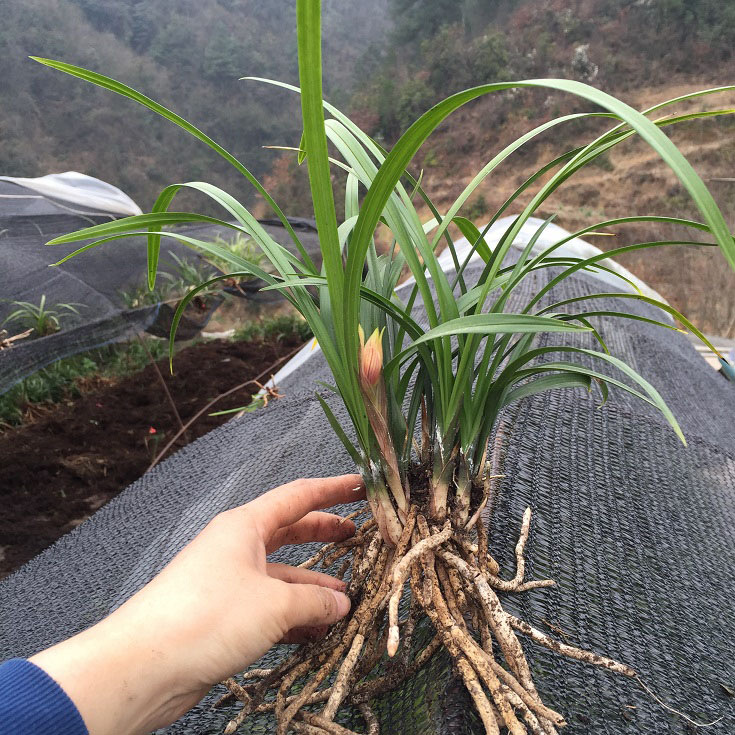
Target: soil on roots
442	571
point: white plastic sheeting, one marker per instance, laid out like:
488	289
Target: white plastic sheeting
576	248
81	190
552	233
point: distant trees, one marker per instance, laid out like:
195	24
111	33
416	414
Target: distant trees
387	61
416	20
708	21
188	54
437	47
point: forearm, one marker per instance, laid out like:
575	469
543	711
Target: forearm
213	610
119	681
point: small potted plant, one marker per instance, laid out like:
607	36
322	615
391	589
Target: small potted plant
169	291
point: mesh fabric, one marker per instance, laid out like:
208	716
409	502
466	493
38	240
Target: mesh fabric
638	532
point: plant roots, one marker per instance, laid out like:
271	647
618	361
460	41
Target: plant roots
453	580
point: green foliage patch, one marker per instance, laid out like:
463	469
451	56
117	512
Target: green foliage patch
61	379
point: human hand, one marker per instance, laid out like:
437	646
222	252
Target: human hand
217	607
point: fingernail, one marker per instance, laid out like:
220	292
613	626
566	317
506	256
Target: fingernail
343	603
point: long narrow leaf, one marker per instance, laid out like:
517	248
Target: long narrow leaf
548	382
486	324
645	299
339	431
122	89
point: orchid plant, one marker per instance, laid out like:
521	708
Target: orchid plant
448	381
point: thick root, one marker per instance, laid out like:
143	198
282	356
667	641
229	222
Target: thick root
450	578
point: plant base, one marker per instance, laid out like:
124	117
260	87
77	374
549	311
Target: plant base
453	580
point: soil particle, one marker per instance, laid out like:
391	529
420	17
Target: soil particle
75	456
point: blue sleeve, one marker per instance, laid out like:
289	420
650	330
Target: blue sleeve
31	702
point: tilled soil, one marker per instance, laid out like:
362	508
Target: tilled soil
71	458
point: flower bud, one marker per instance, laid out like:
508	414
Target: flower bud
371	358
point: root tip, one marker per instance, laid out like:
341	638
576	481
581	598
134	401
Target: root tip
393	640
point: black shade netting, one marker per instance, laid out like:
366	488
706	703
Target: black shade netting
637	530
96	283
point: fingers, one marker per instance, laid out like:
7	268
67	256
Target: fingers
296	575
289	503
305	578
314	526
311	605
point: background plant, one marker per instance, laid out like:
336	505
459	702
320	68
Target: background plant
63	378
43	319
200	54
372	49
171	286
189	274
140	295
240	245
277	327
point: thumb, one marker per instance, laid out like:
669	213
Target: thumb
313	605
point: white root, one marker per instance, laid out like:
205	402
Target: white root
565	649
498	620
496	677
400	573
256	674
485	497
521	547
482	704
463	585
339	688
371	721
667	707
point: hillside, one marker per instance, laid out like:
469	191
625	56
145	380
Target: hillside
386	62
644	52
188	55
630	180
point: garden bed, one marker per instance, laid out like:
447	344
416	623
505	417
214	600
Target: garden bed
70	458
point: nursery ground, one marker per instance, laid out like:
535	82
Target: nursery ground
70	458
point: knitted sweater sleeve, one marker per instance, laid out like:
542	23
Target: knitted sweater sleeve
32	702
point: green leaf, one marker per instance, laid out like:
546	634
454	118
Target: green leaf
497	160
548	382
515	371
251	407
339	431
583	264
399	157
584	315
645	299
181	306
122	89
486	324
127	224
315	142
473	235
